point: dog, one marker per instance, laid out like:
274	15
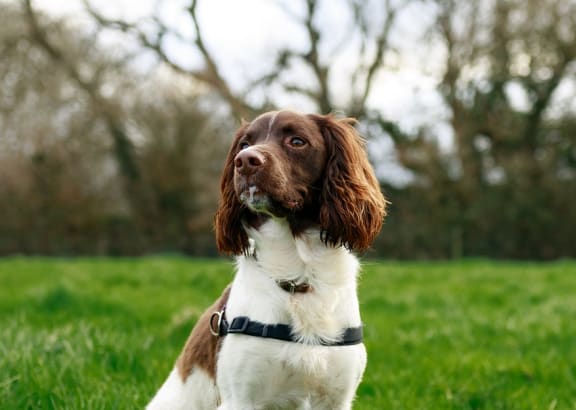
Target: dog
298	197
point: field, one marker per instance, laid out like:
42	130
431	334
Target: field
103	333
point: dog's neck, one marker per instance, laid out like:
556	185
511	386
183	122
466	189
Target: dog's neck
304	258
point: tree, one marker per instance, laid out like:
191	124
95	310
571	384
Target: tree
91	84
500	188
91	163
44	123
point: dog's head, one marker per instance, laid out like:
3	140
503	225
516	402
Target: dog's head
310	169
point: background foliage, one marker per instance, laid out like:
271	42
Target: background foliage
117	150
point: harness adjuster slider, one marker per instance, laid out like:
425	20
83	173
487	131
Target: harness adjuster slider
239	324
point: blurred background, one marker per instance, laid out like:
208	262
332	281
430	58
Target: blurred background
115	117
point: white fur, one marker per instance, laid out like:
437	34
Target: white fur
197	392
256	373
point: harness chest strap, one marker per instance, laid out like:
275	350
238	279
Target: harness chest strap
219	326
243	325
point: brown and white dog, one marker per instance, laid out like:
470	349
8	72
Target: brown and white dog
298	195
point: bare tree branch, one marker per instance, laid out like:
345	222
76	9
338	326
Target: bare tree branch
312	94
312	58
123	145
209	74
381	42
212	75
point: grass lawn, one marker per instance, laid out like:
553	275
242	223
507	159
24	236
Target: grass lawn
104	333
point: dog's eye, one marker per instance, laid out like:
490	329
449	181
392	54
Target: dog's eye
297	142
243	145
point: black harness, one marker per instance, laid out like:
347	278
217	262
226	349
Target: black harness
243	325
219	326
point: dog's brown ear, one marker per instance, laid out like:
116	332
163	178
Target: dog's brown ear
352	206
231	239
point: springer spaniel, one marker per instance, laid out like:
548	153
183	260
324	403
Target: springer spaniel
297	196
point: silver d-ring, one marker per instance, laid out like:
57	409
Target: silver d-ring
215	332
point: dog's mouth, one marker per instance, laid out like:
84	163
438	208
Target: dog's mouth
255	199
260	201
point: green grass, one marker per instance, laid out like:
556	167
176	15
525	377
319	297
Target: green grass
104	333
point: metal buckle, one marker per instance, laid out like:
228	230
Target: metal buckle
216	332
292	287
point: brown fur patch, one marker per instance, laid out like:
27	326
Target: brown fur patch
201	347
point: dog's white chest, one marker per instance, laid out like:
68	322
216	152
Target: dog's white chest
266	373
